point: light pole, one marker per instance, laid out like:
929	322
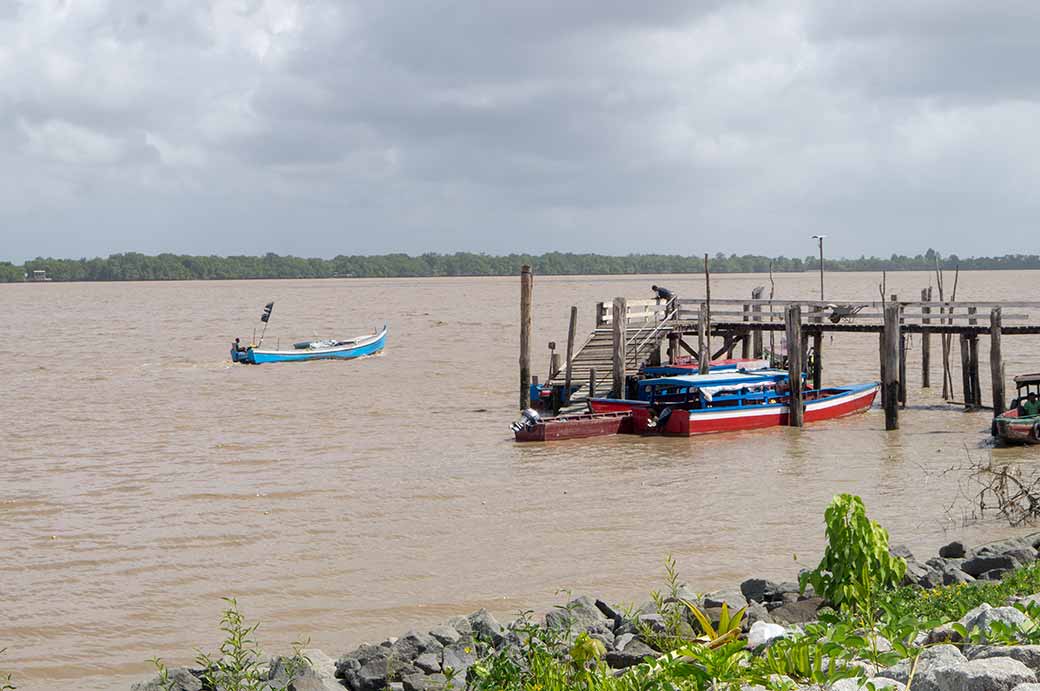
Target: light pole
819	239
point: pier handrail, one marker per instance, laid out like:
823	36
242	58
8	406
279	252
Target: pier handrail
667	318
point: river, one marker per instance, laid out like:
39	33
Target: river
145	477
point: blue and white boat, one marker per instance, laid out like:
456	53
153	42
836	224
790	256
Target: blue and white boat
314	350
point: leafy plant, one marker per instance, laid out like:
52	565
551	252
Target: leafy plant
675	630
5	678
728	629
856	563
240	666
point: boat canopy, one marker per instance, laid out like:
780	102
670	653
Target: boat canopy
719	380
1023	380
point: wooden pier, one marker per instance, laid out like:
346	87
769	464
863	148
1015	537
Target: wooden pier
631	334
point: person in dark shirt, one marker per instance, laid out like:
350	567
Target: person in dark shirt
662	292
1031	406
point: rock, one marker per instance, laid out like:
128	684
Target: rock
462	626
610	613
634	652
1028	655
990	674
901	551
580	614
952	550
458	658
428	663
797	612
318	675
621	641
978	565
485	627
994	574
1027	687
983	616
756	612
446	635
952	575
1024	555
762	633
424	682
877	683
732	598
921	574
181	679
760	590
935	657
367	667
413	644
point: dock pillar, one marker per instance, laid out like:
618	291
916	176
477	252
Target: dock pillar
966	370
592	383
703	340
926	341
620	322
745	341
902	369
673	347
526	291
793	317
973	352
571	329
996	361
756	336
817	368
890	365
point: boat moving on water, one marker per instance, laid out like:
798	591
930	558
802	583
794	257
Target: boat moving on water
316	350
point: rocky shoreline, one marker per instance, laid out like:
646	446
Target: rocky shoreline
442	656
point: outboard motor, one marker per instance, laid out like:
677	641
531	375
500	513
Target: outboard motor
528	418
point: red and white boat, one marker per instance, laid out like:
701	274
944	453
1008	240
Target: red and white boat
703	404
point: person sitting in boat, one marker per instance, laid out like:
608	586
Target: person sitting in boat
1031	406
662	293
236	349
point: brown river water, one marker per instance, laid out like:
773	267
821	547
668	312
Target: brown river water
145	477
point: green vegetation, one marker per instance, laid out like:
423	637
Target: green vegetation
132	266
241	665
5	678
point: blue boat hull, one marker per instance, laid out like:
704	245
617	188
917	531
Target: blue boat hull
368	345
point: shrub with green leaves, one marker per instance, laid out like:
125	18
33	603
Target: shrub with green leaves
5	678
856	564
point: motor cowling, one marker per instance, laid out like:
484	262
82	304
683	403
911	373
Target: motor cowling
528	418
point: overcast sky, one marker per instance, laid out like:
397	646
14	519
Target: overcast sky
324	127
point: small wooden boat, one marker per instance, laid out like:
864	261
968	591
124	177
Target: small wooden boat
315	350
532	427
1014	426
703	404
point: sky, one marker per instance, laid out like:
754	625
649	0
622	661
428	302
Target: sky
325	127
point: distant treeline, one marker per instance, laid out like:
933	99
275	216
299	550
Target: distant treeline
132	266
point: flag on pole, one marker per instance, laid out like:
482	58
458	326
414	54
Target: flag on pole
267	312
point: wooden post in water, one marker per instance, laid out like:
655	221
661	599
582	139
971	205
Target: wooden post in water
592	383
926	341
526	291
890	375
996	361
571	329
817	369
881	358
793	319
703	340
902	369
966	371
673	347
555	364
601	310
620	319
976	388
756	336
745	342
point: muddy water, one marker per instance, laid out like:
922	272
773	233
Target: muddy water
144	477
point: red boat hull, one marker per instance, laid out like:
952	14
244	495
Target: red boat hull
577	427
691	423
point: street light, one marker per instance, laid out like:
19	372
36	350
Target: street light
819	239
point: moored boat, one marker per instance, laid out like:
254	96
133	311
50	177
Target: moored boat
316	350
533	427
690	389
1016	426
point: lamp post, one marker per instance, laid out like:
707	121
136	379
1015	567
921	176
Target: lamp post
819	240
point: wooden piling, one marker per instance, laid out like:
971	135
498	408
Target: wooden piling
572	329
592	383
996	361
756	337
926	341
555	365
881	365
620	322
673	347
890	368
793	319
973	369
745	342
703	340
817	368
966	370
902	370
526	292
601	311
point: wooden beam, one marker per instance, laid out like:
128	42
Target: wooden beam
996	362
703	342
620	335
756	316
969	398
926	341
526	292
890	368
795	407
745	342
592	383
572	328
817	365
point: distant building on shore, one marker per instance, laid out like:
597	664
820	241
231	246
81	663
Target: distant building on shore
38	275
